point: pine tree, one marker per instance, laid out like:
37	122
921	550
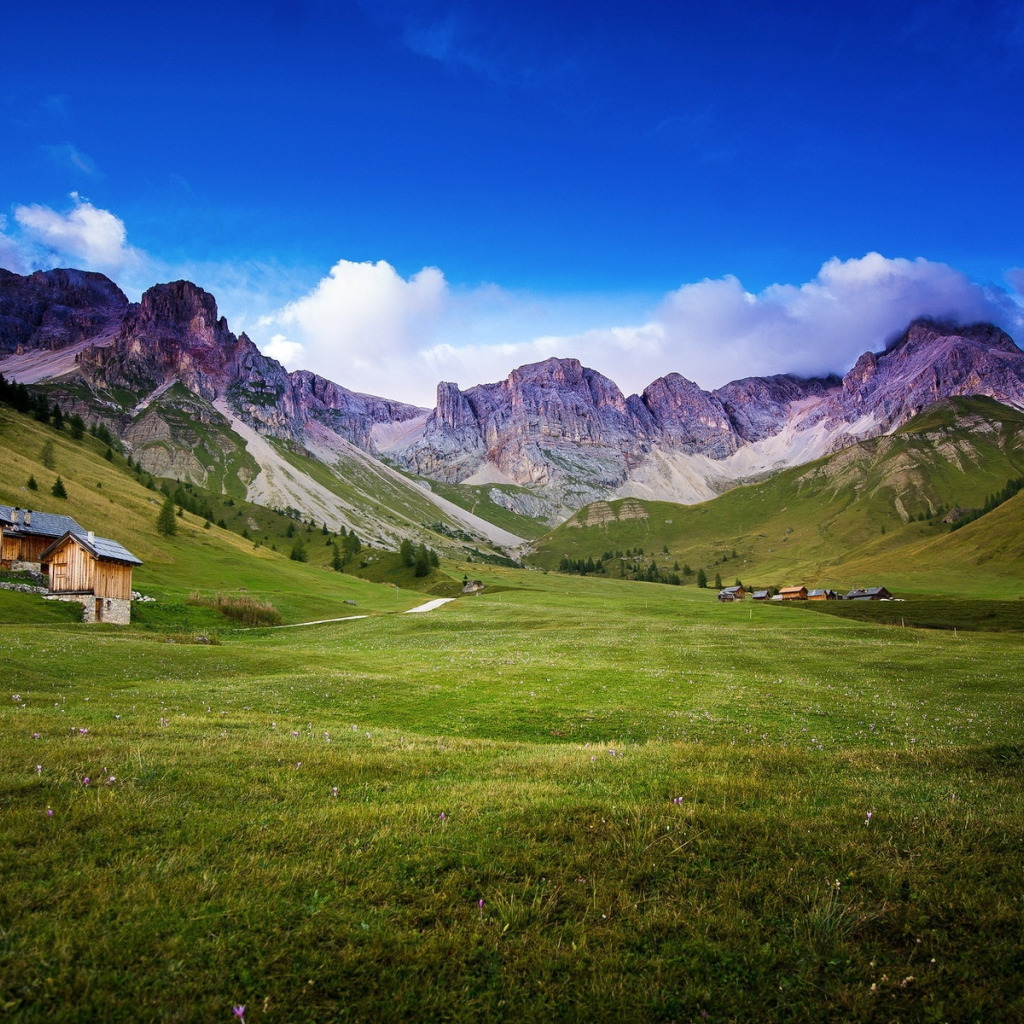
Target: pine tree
77	426
422	565
166	523
718	581
702	578
58	490
58	417
407	552
337	564
298	552
31	484
46	456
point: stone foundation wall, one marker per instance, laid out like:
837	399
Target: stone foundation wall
112	609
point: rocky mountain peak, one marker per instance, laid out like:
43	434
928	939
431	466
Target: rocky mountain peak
178	303
925	333
55	309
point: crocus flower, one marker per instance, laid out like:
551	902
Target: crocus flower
239	1012
49	812
85	781
39	769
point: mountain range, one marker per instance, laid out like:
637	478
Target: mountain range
192	400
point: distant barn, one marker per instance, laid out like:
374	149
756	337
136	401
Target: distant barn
793	593
869	594
732	594
760	595
25	535
822	595
94	571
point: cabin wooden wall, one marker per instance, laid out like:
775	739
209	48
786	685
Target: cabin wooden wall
73	569
22	549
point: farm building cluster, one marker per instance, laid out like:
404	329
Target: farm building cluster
78	566
801	593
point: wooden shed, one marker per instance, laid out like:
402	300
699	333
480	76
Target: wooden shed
822	595
26	534
96	572
793	593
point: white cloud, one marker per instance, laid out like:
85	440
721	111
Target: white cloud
85	236
371	330
11	255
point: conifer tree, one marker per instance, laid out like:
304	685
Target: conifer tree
166	522
58	490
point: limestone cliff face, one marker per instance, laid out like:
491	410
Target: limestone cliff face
55	309
176	335
567	432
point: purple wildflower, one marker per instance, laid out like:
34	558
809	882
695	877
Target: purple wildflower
35	735
39	769
85	781
111	780
239	1012
49	812
444	817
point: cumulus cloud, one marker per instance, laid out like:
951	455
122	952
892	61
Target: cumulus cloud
370	329
84	236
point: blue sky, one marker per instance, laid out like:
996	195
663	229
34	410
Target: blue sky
402	191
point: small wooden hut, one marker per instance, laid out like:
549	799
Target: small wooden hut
94	571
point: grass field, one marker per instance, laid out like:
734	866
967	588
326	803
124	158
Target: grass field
563	799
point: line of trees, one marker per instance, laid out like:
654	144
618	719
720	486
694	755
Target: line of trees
992	502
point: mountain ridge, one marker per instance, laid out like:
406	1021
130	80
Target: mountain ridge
562	433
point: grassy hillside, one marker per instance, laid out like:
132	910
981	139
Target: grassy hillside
106	497
564	799
871	511
180	436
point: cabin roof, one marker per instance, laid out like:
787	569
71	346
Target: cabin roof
103	548
866	592
791	590
40	524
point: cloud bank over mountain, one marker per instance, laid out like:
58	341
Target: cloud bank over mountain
367	326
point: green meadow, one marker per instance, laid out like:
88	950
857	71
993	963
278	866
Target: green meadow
562	799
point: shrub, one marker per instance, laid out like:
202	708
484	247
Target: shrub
247	611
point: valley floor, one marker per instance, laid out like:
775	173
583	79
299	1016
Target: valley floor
561	799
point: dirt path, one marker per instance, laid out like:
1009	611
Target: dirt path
429	606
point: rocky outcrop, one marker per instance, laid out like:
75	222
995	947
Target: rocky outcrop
55	309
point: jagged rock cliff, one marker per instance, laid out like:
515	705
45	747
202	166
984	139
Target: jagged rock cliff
56	309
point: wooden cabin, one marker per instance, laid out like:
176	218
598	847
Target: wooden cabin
760	595
94	571
822	595
732	594
26	534
793	593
